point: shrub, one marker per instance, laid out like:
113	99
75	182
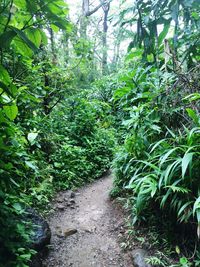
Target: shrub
169	176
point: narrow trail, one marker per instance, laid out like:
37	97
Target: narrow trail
84	233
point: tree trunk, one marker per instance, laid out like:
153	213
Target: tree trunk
86	12
53	50
106	8
116	51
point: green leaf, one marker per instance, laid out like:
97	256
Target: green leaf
198	220
166	155
193	115
6	89
170	171
122	92
177	189
165	197
55	28
137	53
31	165
56	15
59	8
157	144
183	261
185	162
184	207
6	38
195	15
13	90
192	97
17	207
22	47
196	208
4	76
13	181
3	119
55	9
60	24
177	249
164	32
11	111
25	39
31	137
20	3
141	201
34	36
57	164
170	132
31	6
44	39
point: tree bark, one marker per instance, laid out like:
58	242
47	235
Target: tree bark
86	12
106	8
53	50
86	7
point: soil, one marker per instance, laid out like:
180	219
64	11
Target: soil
85	228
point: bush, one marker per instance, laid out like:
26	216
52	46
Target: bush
157	167
87	151
169	176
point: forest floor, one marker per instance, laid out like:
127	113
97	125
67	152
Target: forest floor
86	226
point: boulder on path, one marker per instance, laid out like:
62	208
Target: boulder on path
138	258
40	237
36	261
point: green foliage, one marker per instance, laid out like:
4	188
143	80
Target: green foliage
57	116
50	138
169	174
88	145
157	100
154	20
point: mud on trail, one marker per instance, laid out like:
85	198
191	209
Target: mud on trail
85	231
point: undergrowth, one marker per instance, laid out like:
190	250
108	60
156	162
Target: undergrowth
157	167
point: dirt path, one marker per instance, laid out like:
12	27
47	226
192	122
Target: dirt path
85	229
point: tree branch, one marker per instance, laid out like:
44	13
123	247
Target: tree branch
89	13
58	100
9	16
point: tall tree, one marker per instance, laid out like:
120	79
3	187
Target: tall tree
86	12
106	8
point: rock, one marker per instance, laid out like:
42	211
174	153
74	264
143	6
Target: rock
88	231
59	234
41	232
72	201
72	195
41	235
60	207
69	232
138	257
65	233
60	200
36	261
